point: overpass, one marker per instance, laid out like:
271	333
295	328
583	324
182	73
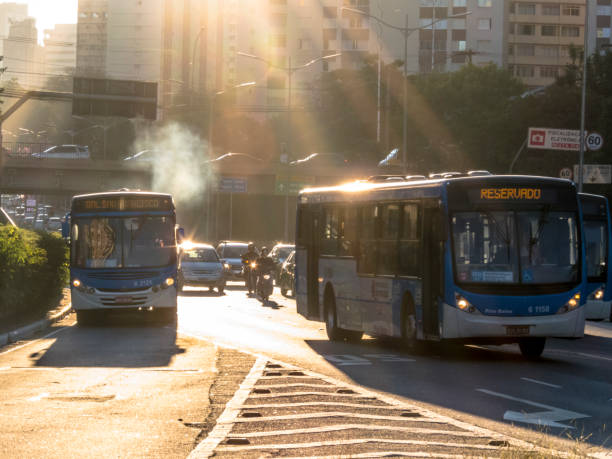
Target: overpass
238	199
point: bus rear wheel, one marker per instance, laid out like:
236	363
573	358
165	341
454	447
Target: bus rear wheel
532	348
335	333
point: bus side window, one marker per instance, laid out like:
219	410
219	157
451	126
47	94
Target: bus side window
348	232
389	232
410	241
329	238
367	238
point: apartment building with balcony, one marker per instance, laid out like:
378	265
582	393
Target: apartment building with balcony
540	35
603	18
462	31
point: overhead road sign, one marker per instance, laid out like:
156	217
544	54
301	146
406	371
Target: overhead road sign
105	97
554	139
232	185
595	173
288	185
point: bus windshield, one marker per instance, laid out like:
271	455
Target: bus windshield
516	247
123	242
596	240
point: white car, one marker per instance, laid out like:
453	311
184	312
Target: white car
64	152
201	266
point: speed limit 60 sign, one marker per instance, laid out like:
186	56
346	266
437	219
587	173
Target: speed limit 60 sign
594	141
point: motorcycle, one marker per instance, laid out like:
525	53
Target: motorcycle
249	272
265	286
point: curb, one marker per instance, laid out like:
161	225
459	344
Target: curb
29	330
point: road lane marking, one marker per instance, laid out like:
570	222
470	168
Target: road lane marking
549	418
357	442
391	403
346	360
36	341
38	397
542	383
226	420
339	404
338	414
341	427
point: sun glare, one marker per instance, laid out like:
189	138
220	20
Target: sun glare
51	12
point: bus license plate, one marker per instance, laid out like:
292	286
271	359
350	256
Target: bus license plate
123	299
517	330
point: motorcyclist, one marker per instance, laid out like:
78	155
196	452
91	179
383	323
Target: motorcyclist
248	258
265	264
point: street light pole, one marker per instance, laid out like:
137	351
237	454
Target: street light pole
406	31
583	100
195	44
289	70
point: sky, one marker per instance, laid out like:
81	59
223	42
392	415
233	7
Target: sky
50	12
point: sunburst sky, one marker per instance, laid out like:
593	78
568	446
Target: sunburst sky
50	12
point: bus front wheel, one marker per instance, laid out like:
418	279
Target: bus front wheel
86	318
532	348
334	332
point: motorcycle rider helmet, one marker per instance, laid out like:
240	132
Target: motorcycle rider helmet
264	251
251	247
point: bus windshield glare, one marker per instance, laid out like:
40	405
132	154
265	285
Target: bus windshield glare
516	247
123	242
596	243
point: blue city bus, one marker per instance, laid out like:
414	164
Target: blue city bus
598	247
123	254
472	259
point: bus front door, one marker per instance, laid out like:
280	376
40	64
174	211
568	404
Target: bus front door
312	262
433	250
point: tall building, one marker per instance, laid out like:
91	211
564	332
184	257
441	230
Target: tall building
10	12
23	56
540	34
163	41
60	49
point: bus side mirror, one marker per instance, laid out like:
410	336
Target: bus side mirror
180	235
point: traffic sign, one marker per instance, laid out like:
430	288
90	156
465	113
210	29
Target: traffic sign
292	185
594	141
232	185
566	173
595	173
554	139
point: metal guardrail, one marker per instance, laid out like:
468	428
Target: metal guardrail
23	150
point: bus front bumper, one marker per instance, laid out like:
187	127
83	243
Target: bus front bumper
597	309
146	298
460	324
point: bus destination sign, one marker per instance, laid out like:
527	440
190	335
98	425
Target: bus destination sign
123	204
512	194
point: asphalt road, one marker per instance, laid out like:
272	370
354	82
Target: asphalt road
131	390
566	394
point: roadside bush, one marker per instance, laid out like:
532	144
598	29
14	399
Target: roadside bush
33	271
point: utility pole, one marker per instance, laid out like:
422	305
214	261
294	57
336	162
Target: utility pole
585	55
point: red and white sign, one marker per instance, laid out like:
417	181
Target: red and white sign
554	139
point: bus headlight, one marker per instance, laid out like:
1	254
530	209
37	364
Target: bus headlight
464	304
76	283
571	304
597	294
169	282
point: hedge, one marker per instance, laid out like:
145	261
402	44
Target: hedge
33	271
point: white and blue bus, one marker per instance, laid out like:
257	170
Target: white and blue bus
123	254
478	259
598	247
